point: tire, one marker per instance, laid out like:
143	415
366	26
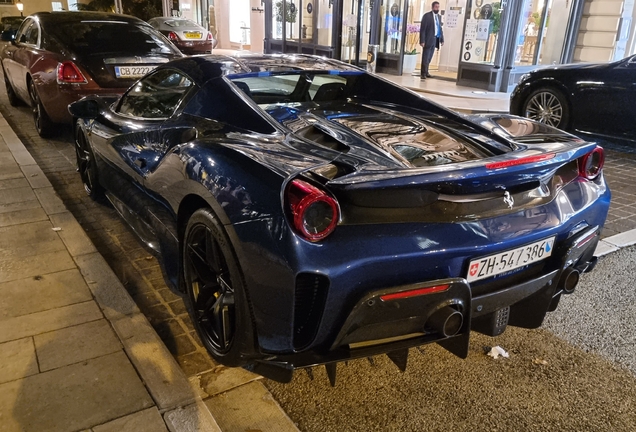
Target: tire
549	106
43	123
14	100
215	291
86	165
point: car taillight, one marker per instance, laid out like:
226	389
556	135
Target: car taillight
315	214
68	72
173	36
591	165
209	36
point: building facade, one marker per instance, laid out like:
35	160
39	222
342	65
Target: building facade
489	44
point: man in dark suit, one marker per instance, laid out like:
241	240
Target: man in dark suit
431	37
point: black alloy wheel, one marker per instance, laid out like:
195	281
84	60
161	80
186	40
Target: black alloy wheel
549	106
43	123
86	165
14	100
215	297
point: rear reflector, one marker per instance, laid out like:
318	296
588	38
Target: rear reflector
522	161
69	73
414	293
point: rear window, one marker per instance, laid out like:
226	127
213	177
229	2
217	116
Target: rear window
181	23
101	37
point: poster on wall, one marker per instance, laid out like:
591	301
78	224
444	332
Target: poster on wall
452	17
471	30
483	29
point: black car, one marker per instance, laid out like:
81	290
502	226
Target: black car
594	98
57	58
313	213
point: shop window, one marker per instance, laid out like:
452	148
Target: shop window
482	31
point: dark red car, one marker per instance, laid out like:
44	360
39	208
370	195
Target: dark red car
56	58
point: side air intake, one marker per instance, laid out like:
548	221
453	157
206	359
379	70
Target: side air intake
309	302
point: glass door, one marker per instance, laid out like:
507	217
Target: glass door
356	27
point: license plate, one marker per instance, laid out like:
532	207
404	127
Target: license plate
503	262
193	35
132	71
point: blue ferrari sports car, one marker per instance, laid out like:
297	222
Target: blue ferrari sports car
311	213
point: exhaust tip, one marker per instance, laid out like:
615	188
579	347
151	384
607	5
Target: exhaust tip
447	321
569	280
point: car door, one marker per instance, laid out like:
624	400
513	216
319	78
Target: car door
18	58
131	142
613	99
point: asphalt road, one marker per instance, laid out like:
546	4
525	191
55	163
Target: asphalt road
588	381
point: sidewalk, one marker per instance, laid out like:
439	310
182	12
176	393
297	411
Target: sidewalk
75	351
467	100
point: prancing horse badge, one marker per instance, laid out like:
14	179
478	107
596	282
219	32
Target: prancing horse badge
508	199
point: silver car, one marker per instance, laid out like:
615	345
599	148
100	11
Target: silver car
188	36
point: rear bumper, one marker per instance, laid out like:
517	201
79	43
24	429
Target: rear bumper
194	47
391	320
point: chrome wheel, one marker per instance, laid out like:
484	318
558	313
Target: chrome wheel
545	107
210	289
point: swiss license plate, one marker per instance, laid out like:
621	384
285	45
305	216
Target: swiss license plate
132	71
503	262
193	35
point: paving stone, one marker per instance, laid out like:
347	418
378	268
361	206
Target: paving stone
249	407
193	418
22	157
107	289
16	195
24	205
178	307
26	240
36	294
195	363
23	216
161	373
604	248
19	268
14	183
36	178
74	397
49	320
72	234
50	201
17	360
75	344
11	172
222	379
627	238
179	345
148	420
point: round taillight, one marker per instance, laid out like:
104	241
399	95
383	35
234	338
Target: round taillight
173	36
314	213
592	163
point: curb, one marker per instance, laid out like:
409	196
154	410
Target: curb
178	403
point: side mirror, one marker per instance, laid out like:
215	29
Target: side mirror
85	108
8	35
